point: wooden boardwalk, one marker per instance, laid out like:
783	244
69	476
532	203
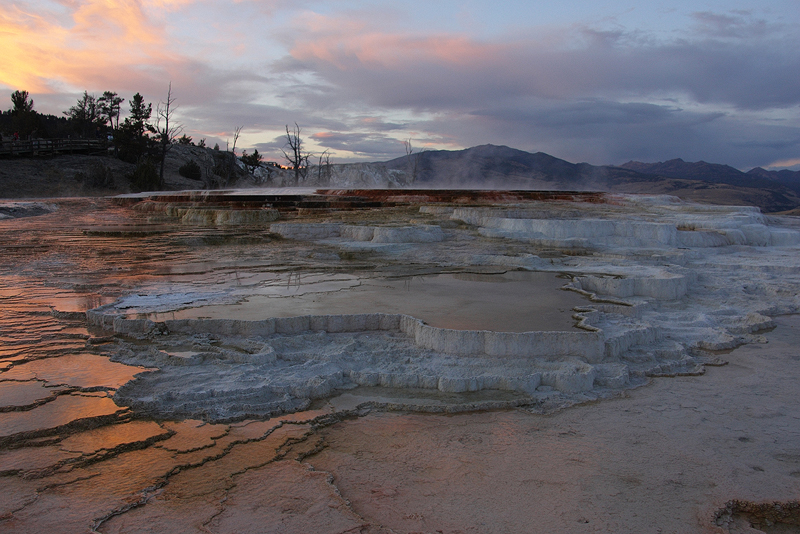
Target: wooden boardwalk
48	147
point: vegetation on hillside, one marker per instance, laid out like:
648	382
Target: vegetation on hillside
146	135
143	137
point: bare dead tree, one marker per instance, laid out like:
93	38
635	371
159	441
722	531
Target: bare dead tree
294	153
236	135
413	159
324	167
166	133
231	167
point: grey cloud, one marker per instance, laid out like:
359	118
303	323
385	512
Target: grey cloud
274	146
621	132
589	100
197	87
229	115
362	146
598	100
754	70
734	24
371	145
582	113
273	150
376	124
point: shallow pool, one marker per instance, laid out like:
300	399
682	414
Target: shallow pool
514	301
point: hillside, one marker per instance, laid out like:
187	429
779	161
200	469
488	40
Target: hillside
501	167
715	173
98	175
481	167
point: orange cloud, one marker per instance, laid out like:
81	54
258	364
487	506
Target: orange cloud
124	21
97	43
167	5
782	164
353	43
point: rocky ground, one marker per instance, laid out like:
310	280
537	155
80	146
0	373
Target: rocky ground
63	176
186	405
94	176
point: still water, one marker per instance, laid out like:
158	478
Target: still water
514	301
71	460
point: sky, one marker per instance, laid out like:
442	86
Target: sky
596	81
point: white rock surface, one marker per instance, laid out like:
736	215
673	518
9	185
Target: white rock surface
221	217
15	210
667	282
374	234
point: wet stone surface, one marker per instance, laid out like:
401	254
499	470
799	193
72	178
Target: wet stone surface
90	441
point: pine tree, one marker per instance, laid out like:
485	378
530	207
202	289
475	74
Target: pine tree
21	102
85	115
133	139
24	120
110	104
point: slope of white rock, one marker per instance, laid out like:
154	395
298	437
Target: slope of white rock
14	210
736	226
375	234
667	284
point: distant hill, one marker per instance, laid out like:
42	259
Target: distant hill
490	166
501	167
716	173
480	167
790	179
677	168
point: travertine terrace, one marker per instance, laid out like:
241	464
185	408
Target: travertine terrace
656	275
231	335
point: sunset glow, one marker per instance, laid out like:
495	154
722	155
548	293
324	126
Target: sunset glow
715	81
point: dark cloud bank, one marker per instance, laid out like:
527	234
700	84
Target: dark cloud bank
727	90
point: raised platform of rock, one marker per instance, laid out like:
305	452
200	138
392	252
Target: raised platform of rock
712	226
586	346
374	234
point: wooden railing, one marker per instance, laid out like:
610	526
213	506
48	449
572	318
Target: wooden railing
43	147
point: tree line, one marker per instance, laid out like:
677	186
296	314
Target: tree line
90	116
143	137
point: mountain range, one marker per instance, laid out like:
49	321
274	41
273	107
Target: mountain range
480	167
501	167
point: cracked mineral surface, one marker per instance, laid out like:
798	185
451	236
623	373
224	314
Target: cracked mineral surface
616	364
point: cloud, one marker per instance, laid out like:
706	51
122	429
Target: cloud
359	79
97	41
342	146
793	163
734	24
707	91
377	124
257	117
609	132
121	45
375	146
748	69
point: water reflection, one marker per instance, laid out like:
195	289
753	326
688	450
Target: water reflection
71	460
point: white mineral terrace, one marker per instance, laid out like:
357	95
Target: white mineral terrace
664	283
346	364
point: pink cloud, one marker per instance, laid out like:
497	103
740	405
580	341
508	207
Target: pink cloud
353	44
101	44
398	69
